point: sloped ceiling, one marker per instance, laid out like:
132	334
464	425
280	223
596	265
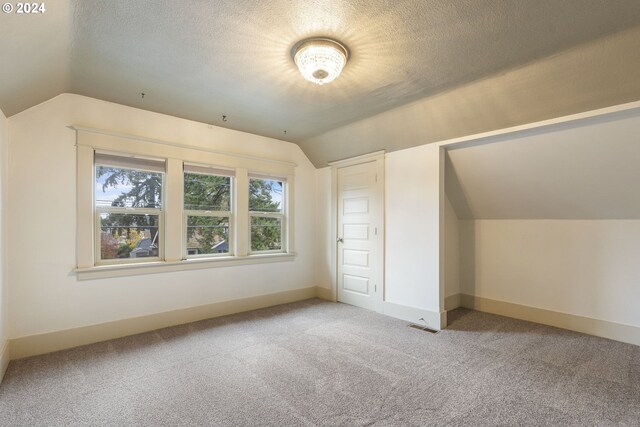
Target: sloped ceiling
598	74
204	59
584	170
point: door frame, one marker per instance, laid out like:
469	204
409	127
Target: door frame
379	276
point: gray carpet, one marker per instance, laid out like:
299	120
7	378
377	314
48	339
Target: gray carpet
320	363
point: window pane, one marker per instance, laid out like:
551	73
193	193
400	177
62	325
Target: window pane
128	188
266	234
207	235
128	236
265	195
207	192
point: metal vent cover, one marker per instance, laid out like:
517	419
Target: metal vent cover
422	328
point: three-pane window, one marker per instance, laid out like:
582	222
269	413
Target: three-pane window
130	200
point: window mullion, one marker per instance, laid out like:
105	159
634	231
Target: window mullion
267	214
208	213
174	194
131	211
242	212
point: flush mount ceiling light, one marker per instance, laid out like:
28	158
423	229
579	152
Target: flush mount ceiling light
320	60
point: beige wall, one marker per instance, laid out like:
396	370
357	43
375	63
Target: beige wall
580	267
325	243
4	288
451	251
412	227
45	293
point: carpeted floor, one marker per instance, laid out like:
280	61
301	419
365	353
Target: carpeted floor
320	363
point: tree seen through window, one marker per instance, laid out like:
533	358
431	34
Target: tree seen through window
128	201
266	208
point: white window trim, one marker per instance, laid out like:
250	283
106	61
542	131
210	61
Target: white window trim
120	270
173	217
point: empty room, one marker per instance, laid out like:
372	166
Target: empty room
320	213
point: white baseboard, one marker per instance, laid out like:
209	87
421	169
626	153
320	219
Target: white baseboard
452	302
433	319
59	340
601	328
325	293
4	359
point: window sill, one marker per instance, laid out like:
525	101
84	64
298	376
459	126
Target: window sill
120	270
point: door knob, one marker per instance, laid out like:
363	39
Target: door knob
340	240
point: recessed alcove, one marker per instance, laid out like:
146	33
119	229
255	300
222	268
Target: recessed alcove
548	218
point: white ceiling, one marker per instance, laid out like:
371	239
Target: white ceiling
584	170
204	59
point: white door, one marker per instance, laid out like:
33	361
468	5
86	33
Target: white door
359	235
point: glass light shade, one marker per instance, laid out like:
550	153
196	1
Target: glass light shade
320	60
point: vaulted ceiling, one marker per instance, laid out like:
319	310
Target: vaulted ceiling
201	60
587	169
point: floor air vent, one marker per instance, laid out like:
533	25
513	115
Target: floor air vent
423	328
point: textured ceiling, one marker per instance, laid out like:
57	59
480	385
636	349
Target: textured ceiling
593	75
202	59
